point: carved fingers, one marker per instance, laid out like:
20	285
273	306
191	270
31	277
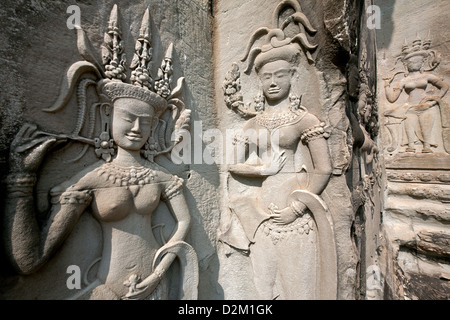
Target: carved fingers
29	148
284	216
141	290
276	164
288	214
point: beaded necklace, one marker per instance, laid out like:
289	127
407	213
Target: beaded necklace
126	176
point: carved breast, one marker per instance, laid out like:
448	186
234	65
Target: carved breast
286	134
417	83
289	136
115	203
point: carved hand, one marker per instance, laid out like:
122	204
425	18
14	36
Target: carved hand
288	214
143	289
430	99
284	216
29	148
275	165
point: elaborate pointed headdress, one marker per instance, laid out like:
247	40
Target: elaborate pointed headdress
277	45
111	84
416	48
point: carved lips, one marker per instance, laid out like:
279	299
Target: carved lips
134	137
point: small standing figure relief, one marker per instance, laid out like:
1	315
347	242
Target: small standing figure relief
424	116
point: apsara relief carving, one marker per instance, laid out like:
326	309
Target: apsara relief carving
140	121
421	123
288	232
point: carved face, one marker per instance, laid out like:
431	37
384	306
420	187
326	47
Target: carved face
276	80
414	63
132	123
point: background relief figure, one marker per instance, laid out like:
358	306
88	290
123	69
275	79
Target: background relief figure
423	114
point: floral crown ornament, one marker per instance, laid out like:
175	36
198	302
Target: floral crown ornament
277	45
171	115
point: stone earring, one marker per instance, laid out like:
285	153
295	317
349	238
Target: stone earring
259	102
104	145
150	149
295	102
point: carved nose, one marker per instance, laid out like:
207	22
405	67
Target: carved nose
136	126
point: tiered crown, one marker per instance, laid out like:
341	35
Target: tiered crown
141	86
417	47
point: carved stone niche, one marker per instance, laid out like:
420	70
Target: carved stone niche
96	233
276	227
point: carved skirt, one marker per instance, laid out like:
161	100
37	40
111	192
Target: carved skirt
285	260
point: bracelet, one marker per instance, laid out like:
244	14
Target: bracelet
75	197
312	133
159	274
297	212
174	189
20	182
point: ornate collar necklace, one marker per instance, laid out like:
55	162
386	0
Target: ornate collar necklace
277	119
126	176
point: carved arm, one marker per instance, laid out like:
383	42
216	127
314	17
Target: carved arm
253	166
177	205
392	93
28	246
440	84
318	148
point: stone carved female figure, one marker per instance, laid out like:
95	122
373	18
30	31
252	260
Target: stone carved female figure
418	112
285	222
121	193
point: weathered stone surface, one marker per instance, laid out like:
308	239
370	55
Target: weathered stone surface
415	151
353	206
50	48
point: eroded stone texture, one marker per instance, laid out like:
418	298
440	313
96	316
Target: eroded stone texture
413	98
351	202
335	83
127	29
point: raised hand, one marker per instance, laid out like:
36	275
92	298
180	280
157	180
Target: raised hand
276	164
29	148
